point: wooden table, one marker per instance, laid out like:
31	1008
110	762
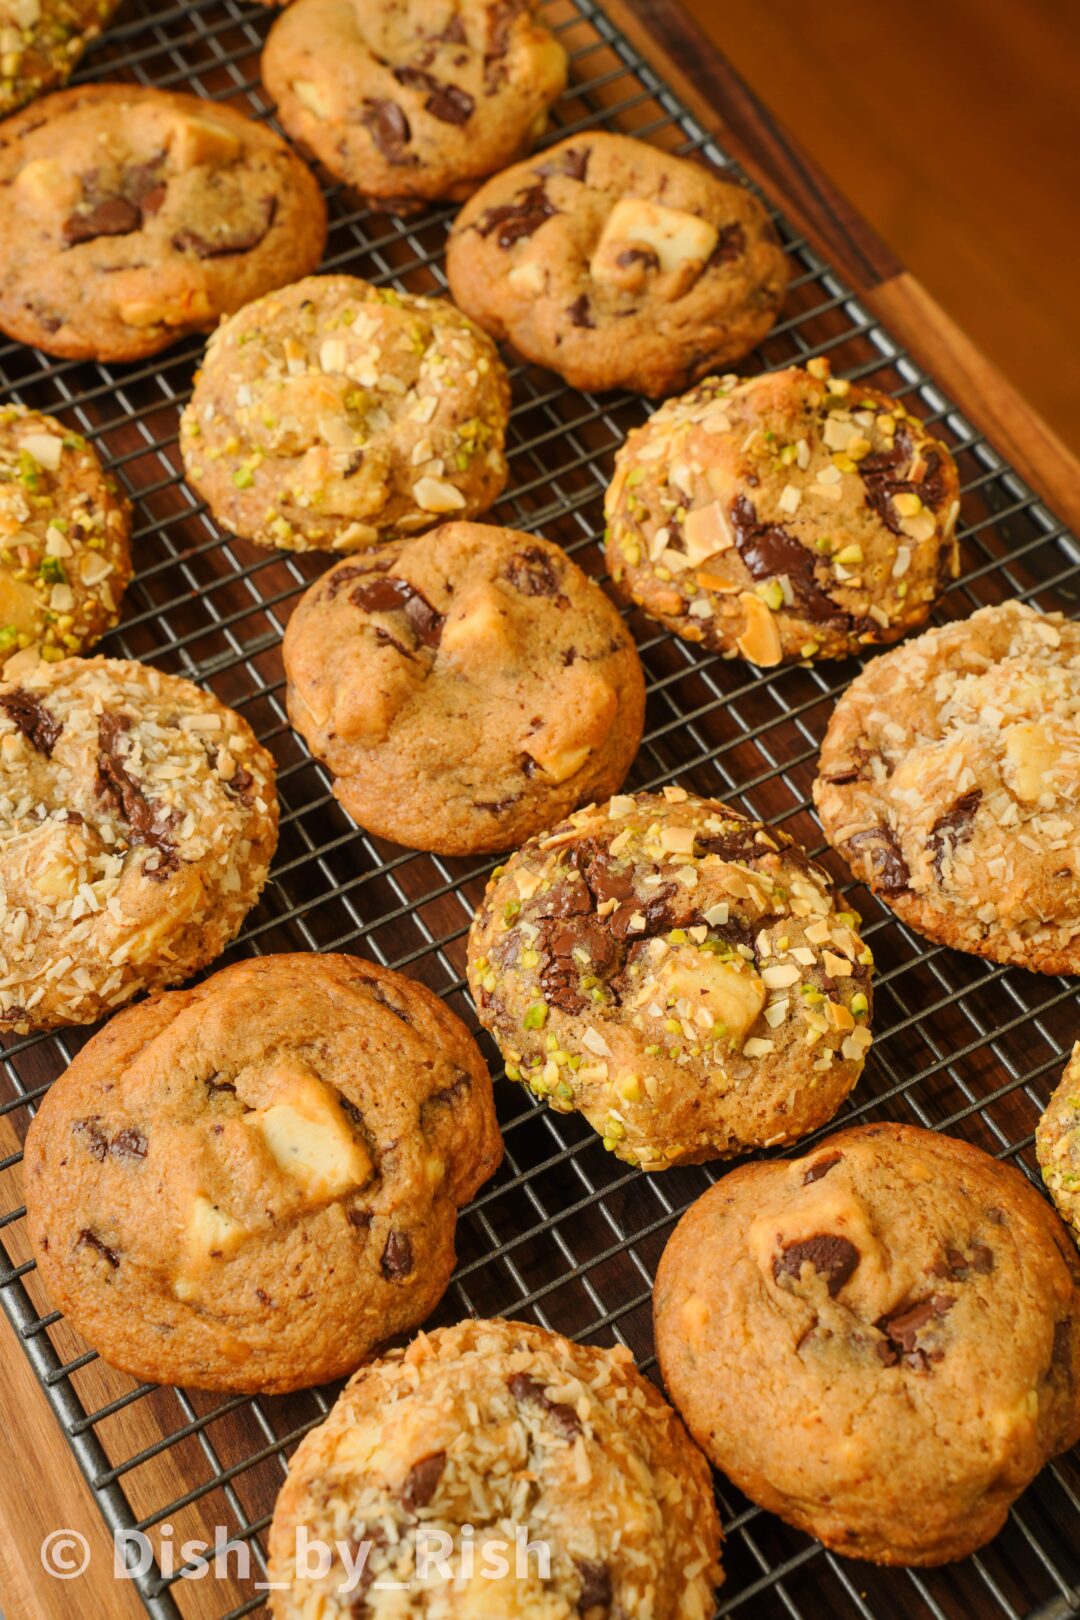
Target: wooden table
42	1486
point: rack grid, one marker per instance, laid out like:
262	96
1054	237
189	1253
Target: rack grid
564	1234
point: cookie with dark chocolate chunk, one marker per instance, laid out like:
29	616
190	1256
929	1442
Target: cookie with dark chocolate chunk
618	265
685	977
912	1312
949	781
137	821
491	1425
465	688
407	101
790	516
130	216
251	1184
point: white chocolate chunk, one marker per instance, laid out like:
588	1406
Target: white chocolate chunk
731	993
676	237
198	140
310	1140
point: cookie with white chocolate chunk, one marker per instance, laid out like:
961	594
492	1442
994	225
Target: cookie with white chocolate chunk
685	977
137	821
407	101
618	265
465	688
793	515
130	216
64	553
250	1184
334	414
41	41
949	781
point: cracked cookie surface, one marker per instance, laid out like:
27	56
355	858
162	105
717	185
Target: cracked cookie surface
466	688
131	216
224	1191
64	531
914	1311
1057	1142
41	41
618	265
137	821
473	1430
334	414
407	101
793	515
949	780
683	976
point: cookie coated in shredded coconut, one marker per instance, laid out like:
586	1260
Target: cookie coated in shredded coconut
334	414
64	553
949	781
137	821
472	1434
685	977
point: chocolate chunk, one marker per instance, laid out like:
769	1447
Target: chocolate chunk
33	719
889	870
337	578
730	244
515	221
392	595
573	163
527	1392
238	239
881	474
447	102
533	573
768	551
147	823
501	20
397	1257
496	807
114	216
959	1266
241	785
642	256
90	1240
953	828
903	1328
422	1480
361	1218
579	312
606	882
128	1144
561	973
214	1086
389	129
821	1167
595	1588
566	898
93	1138
832	1257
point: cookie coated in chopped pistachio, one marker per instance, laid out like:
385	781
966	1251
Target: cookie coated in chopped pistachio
466	688
137	821
130	216
880	1342
251	1184
334	414
411	100
1057	1143
793	515
479	1440
685	977
64	531
618	265
41	41
949	781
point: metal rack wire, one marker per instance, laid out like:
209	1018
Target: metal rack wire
564	1234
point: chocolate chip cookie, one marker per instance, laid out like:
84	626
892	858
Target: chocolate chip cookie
618	265
130	216
41	41
791	516
64	530
334	414
911	1309
410	100
1057	1142
950	783
686	978
250	1184
137	821
477	1440
465	689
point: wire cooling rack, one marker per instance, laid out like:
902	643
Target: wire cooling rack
564	1234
